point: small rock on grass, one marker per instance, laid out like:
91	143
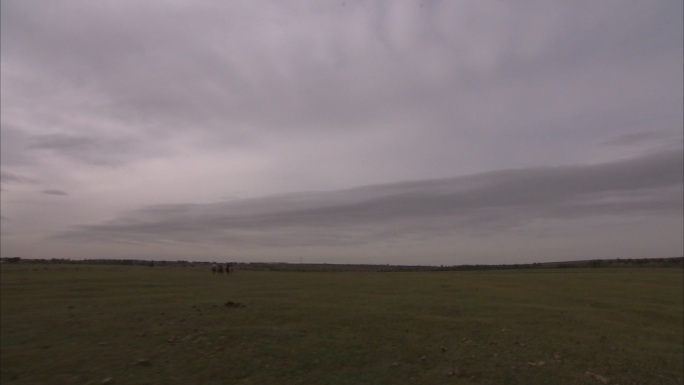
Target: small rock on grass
234	304
108	380
597	377
144	362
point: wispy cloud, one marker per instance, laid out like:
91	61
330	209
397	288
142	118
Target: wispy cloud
10	177
54	192
482	203
101	150
646	137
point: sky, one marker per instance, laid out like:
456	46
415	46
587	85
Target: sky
380	132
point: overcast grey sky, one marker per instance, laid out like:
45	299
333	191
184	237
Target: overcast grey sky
409	132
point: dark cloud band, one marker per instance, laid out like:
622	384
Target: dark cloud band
479	203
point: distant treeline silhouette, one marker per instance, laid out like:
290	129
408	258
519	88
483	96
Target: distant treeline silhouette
677	262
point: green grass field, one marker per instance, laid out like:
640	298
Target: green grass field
87	324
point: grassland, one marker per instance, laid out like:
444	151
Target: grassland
71	324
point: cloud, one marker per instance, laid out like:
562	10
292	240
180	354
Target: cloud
477	204
94	150
238	75
54	192
10	177
261	66
645	137
141	105
62	142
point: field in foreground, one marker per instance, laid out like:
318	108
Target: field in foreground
70	324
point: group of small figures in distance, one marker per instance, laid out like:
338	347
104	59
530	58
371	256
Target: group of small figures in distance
221	268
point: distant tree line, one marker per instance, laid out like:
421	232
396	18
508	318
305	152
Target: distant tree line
322	267
619	262
596	263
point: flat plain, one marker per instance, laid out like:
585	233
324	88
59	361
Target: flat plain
97	324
